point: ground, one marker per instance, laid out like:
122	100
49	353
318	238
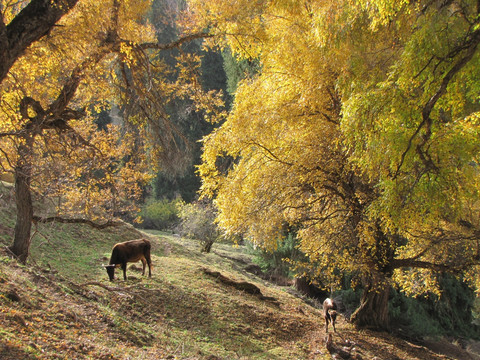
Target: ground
62	306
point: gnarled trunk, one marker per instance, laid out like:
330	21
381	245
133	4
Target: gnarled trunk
373	309
23	200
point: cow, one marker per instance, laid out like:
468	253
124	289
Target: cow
129	251
329	313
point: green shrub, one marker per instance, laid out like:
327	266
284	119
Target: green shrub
159	214
450	314
350	299
275	262
410	315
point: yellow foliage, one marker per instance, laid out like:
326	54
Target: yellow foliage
324	140
92	172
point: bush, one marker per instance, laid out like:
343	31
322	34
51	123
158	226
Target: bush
274	263
197	221
159	214
410	316
450	315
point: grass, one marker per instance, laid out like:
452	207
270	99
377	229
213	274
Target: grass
62	306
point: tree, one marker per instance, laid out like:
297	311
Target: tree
368	145
99	53
197	220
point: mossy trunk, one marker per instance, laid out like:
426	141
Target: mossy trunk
373	310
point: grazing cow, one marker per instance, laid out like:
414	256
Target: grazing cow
329	313
129	251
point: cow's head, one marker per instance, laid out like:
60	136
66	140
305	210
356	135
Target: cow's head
110	271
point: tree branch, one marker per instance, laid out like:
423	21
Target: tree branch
419	264
28	102
272	156
471	48
10	133
32	23
109	223
175	44
70	87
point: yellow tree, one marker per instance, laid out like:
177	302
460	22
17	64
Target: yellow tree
360	132
100	53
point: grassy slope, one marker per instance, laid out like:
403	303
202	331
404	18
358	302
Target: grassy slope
61	305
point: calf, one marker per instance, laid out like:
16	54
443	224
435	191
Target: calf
329	313
129	251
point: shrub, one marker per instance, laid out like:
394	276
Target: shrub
159	214
410	316
197	221
278	262
450	315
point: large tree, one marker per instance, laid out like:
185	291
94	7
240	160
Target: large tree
101	53
360	132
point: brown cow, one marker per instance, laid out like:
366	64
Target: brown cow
129	251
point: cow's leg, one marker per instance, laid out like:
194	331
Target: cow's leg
124	268
144	263
149	262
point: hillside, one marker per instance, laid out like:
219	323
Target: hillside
61	306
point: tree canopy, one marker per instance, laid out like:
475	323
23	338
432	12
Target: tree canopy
101	54
359	133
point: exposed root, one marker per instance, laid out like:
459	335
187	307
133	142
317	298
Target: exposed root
240	285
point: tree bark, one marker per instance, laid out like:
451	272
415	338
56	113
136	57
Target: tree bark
23	199
373	310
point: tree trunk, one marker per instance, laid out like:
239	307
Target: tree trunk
373	309
23	200
207	246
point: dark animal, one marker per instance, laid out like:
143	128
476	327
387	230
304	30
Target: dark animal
129	251
329	313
